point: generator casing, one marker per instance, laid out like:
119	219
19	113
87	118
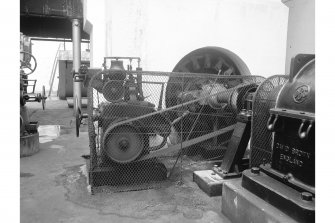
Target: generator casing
282	188
294	131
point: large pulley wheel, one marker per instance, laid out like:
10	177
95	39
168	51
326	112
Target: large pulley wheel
26	64
122	144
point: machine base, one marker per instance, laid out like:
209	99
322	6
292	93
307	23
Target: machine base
29	144
285	198
209	182
130	174
240	205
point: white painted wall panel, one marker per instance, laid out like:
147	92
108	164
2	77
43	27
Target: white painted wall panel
161	32
301	28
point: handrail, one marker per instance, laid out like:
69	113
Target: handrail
53	71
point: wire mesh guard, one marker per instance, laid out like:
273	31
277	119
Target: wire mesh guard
264	99
150	126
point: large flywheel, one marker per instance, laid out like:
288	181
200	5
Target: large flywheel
207	60
123	143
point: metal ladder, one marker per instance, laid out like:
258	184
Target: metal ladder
53	71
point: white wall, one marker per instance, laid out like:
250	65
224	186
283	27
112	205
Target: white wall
301	29
161	32
45	53
94	24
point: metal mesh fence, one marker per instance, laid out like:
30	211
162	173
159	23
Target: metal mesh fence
264	99
147	127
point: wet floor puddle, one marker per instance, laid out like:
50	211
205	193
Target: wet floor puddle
50	132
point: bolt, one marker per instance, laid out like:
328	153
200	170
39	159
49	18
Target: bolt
288	177
306	196
255	170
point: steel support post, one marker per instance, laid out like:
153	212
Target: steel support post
76	48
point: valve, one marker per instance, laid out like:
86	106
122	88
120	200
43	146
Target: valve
40	97
25	58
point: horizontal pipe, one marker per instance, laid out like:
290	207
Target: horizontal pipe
57	40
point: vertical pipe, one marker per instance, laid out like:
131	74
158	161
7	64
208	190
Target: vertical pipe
76	41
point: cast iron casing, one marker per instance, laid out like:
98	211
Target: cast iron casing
293	123
288	181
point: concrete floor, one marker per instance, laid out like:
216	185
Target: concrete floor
54	185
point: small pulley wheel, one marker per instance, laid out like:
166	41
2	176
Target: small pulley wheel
123	143
43	97
113	90
25	65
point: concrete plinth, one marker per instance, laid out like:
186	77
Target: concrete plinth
209	182
29	144
240	205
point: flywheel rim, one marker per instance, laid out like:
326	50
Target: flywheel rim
188	64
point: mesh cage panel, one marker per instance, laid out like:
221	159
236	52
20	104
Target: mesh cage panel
264	99
144	126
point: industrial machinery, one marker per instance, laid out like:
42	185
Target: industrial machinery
206	60
28	65
29	142
280	184
131	132
287	182
130	129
